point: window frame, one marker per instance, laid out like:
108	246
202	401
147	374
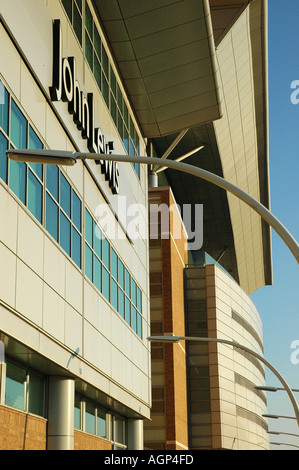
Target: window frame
39	175
119	283
28	372
106	78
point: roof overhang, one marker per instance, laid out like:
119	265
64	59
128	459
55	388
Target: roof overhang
222	220
224	15
166	55
165	52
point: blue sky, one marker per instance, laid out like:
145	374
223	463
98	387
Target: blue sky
278	305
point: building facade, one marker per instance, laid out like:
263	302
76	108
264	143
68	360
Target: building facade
168	428
224	409
74	293
204	394
83	282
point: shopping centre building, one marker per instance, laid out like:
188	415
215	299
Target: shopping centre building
82	285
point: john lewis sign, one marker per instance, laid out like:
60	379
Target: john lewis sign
66	87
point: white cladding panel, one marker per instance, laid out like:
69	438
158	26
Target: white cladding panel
43	289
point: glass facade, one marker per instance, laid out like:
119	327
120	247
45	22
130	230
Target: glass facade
51	201
35	183
89	37
50	197
89	417
107	272
24	389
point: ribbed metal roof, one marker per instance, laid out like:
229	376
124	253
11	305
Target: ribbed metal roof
168	53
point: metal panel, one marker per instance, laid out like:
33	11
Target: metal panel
166	55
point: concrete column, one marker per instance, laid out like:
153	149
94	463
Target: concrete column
61	413
135	434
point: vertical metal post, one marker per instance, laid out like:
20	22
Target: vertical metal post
61	413
135	434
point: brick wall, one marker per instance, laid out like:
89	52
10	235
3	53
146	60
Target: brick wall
20	431
84	441
173	263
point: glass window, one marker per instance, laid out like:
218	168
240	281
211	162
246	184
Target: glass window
4	103
17	179
128	310
18	127
52	180
88	228
77	413
88	21
120	124
97	71
113	109
98	273
105	62
97	42
15	386
127	283
133	291
3	158
105	90
131	149
98	60
88	262
126	139
109	275
106	284
76	247
119	98
68	7
113	82
35	143
27	180
76	211
114	294
139	300
79	3
89	51
121	279
90	420
126	114
121	303
98	241
52	217
101	423
77	21
36	395
106	252
65	195
65	234
139	325
114	263
134	318
35	196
